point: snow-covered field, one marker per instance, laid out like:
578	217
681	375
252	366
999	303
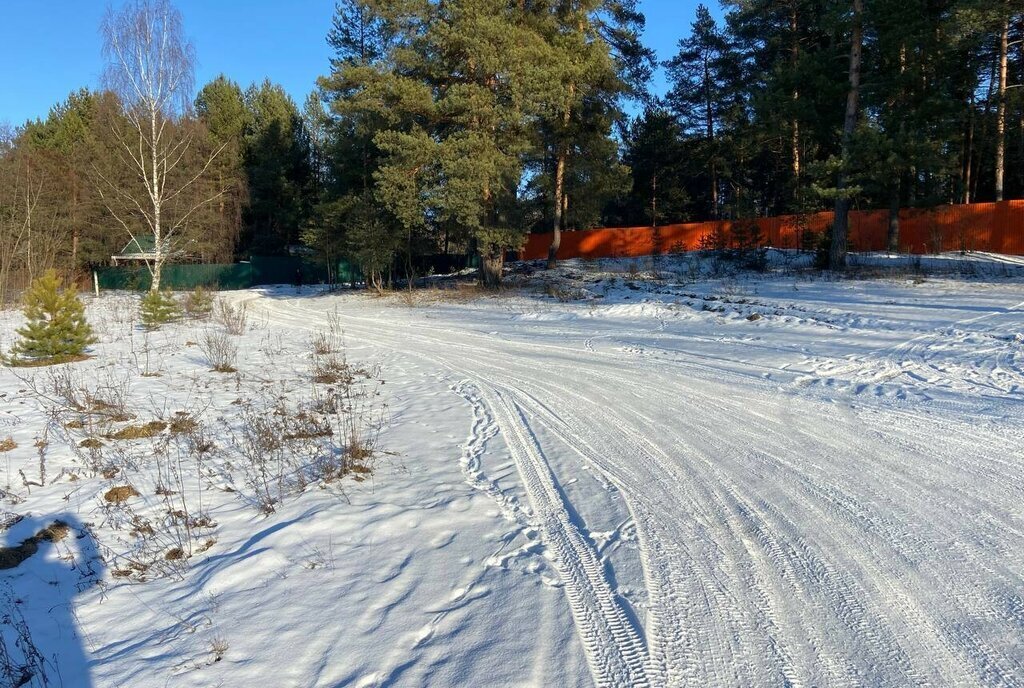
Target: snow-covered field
754	480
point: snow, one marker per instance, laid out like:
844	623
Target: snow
637	485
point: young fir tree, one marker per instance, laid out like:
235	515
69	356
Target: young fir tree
56	330
158	308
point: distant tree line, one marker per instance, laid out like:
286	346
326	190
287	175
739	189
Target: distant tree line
459	127
753	123
56	173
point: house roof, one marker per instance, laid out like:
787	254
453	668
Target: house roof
142	245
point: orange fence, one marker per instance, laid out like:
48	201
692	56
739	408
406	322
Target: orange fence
994	227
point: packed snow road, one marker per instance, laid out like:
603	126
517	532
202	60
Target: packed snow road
831	493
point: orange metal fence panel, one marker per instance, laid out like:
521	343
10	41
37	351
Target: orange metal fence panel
994	227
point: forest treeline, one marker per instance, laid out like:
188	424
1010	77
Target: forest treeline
459	127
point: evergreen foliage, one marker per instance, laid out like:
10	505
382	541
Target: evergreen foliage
56	330
457	127
158	308
198	303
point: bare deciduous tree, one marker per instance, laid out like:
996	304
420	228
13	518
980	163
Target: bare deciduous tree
30	238
150	66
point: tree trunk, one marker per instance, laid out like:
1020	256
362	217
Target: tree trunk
556	230
794	58
840	227
158	249
563	154
1020	145
654	200
893	238
969	155
1001	113
710	132
74	222
491	266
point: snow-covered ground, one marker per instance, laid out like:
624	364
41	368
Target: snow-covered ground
607	477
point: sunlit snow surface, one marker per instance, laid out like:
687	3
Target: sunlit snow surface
670	478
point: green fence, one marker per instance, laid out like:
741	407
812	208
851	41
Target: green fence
260	270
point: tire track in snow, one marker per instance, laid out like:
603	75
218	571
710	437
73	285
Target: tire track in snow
615	650
616	653
770	557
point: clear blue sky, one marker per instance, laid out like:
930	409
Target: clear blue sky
49	48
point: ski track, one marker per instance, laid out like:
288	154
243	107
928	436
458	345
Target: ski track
769	557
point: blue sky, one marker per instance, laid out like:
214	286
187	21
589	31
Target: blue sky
245	39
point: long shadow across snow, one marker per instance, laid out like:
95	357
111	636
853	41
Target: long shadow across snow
44	564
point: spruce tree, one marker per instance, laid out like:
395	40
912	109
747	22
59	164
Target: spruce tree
56	330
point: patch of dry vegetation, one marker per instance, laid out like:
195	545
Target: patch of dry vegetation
120	494
139	432
283	434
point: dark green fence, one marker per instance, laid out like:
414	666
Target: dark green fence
260	270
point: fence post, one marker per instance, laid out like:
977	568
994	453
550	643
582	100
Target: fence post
96	283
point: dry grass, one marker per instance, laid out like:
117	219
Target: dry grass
120	494
219	648
455	292
139	432
183	424
219	350
8	444
43	362
232	318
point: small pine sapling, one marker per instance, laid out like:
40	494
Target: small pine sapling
158	308
198	303
56	331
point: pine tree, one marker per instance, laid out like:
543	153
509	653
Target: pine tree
279	167
702	75
456	106
596	60
56	330
657	155
349	219
220	106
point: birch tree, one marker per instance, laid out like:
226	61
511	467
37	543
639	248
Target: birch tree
150	65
